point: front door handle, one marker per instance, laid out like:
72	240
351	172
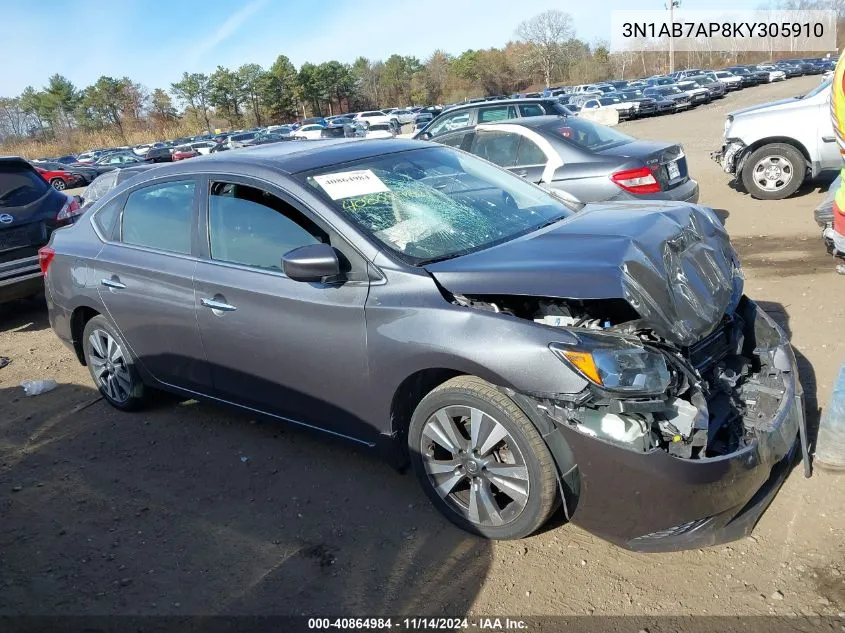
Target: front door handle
113	283
828	139
217	305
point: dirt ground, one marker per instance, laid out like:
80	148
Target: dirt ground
188	508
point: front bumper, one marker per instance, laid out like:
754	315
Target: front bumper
656	502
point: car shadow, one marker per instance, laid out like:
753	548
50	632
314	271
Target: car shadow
24	315
722	214
817	185
806	373
196	509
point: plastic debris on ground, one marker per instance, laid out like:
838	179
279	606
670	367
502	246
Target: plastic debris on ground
35	387
830	443
4	361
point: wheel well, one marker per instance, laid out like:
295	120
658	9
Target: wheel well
78	321
780	139
409	394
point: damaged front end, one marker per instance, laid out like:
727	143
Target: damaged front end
690	416
731	156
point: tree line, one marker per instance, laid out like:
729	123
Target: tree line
545	51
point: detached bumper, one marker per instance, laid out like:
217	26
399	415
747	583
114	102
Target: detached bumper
656	502
728	157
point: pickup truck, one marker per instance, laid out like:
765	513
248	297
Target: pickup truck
772	148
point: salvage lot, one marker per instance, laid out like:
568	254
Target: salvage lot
192	509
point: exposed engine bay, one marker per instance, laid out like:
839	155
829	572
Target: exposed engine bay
723	391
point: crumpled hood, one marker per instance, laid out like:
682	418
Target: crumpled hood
672	262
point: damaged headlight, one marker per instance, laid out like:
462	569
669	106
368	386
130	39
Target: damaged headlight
615	364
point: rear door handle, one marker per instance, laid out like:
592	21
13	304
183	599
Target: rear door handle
217	305
113	283
828	139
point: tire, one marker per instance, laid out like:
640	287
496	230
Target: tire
58	184
526	494
127	392
780	157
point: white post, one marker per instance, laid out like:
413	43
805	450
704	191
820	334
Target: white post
671	39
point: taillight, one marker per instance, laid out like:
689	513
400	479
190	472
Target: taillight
70	210
639	180
45	258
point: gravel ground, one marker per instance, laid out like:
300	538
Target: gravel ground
188	508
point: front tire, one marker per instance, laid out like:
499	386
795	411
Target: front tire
111	365
774	172
58	184
481	461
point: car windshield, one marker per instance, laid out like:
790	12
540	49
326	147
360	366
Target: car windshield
436	203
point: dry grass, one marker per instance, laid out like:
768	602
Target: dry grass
77	141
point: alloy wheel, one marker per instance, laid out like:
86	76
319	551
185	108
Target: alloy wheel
773	173
59	184
475	465
108	364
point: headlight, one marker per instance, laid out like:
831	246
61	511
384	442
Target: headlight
615	364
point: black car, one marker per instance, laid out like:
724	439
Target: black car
469	115
158	155
643	105
748	78
680	99
791	69
716	88
114	160
520	355
30	210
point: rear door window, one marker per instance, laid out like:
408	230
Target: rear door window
498	147
529	153
531	109
160	216
496	113
20	185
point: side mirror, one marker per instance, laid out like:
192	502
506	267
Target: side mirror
424	136
311	263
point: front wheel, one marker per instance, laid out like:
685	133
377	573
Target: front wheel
481	461
774	172
58	184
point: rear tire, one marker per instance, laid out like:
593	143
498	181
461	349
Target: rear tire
481	461
111	365
774	171
58	184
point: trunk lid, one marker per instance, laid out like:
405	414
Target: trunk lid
672	263
668	163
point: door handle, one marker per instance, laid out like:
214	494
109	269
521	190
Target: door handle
113	283
828	139
217	305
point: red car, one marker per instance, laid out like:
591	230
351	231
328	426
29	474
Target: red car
184	151
60	179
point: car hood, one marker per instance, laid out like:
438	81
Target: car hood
781	104
672	262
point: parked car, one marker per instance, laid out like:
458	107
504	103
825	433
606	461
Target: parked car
106	182
117	160
59	179
469	115
84	173
235	141
372	116
203	147
660	81
626	109
774	73
87	157
698	95
67	159
680	99
688	72
403	116
182	152
790	70
773	147
571	110
263	138
30	210
423	119
643	106
716	88
589	161
748	78
159	155
309	132
731	81
381	130
501	342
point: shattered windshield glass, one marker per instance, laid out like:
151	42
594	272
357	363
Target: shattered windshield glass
436	203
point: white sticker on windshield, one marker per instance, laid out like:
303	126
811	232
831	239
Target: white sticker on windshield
349	184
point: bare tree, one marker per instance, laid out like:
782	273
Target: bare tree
546	35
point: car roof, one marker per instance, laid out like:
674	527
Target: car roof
294	157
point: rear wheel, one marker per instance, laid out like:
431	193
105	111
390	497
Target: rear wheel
774	172
481	461
58	184
111	365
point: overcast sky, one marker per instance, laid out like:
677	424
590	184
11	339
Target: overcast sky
154	41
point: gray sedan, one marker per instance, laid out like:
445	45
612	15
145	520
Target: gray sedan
417	300
588	161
